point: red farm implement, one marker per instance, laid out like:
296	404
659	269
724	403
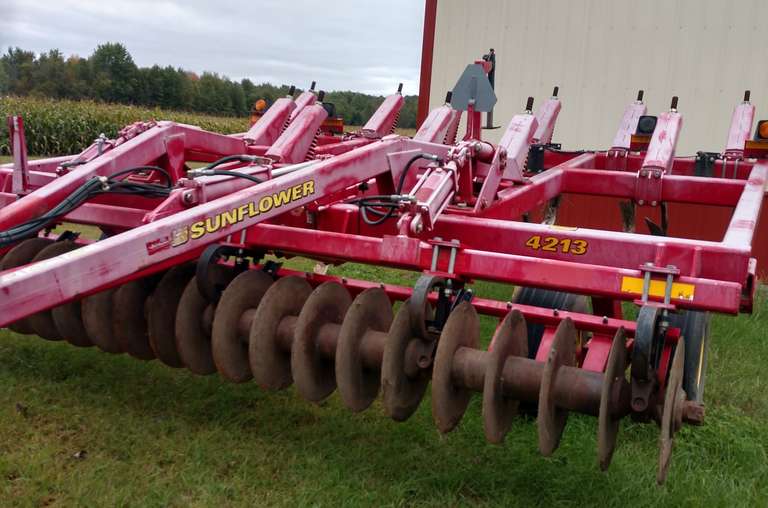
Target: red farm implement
188	267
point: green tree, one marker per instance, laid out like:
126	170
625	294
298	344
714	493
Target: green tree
213	97
51	78
5	81
20	67
114	73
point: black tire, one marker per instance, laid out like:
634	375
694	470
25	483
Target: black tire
547	299
694	328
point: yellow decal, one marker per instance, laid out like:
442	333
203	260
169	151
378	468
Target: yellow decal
553	244
180	237
680	290
235	215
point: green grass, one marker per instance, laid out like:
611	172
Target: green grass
81	427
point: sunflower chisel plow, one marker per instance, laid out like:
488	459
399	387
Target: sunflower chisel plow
188	267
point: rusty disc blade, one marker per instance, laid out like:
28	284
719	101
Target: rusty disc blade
42	322
270	363
450	401
674	398
161	317
312	371
194	321
552	419
401	391
69	322
193	337
130	321
98	319
371	311
229	346
511	339
20	255
608	424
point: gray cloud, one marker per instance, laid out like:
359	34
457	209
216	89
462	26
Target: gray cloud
366	46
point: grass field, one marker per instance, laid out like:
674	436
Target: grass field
81	427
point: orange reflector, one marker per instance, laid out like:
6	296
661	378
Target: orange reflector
762	130
680	291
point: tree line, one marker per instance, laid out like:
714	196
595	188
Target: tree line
109	74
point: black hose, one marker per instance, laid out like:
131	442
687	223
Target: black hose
234	158
407	167
369	204
92	187
229	172
210	171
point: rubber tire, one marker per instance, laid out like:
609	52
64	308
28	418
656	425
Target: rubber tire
694	328
547	299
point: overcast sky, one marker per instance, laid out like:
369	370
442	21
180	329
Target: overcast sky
365	45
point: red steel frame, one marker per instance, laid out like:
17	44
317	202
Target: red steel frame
488	247
461	220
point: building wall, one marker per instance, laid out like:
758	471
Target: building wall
600	52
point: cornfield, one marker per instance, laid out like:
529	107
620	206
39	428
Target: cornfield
60	127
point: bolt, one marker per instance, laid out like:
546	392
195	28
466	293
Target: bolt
343	280
381	285
605	320
509	305
657	174
555	312
641	202
187	198
653	203
643	173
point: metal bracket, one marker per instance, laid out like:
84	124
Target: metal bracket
18	145
648	186
705	163
473	88
535	161
646	353
450	293
68	236
271	268
438	242
207	285
616	159
670	271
